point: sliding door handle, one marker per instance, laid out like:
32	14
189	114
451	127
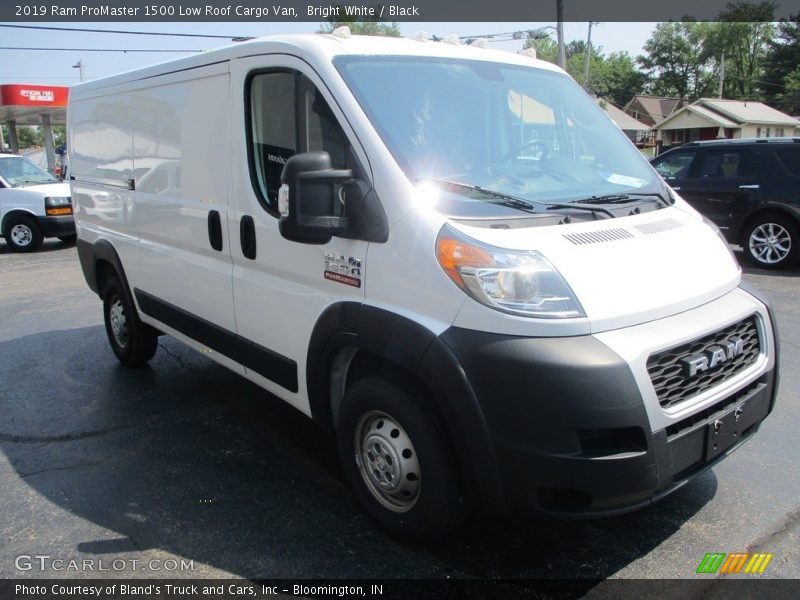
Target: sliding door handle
214	230
247	236
751	186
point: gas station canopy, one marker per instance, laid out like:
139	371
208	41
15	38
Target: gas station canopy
33	104
26	103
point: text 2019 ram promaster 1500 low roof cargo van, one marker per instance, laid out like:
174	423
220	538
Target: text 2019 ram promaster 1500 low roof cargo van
448	256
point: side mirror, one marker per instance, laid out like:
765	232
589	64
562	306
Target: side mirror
317	202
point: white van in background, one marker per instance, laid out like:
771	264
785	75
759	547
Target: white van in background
33	205
448	256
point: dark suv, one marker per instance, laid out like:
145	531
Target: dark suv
749	187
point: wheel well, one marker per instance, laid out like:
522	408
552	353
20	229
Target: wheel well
765	212
351	364
103	271
15	213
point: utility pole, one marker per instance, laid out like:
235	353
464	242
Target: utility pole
587	57
562	55
721	73
80	66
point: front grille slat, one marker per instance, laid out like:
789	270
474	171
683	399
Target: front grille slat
668	373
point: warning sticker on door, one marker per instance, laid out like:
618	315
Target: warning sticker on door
343	269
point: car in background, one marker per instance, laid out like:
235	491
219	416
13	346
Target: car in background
33	205
749	188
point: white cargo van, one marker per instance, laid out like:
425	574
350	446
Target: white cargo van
448	256
33	205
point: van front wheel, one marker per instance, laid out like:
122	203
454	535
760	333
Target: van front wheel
23	234
397	460
133	342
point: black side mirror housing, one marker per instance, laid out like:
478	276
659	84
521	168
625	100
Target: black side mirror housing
317	202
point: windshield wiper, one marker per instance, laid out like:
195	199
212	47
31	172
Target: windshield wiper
519	203
575	206
501	199
31	181
624	199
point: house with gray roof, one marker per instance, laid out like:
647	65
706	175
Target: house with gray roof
716	118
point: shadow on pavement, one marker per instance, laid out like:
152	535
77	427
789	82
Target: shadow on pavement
185	457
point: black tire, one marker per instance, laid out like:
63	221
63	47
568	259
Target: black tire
437	507
132	341
23	234
68	239
771	242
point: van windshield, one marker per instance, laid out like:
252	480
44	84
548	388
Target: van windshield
512	130
18	171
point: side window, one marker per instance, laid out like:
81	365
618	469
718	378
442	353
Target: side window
676	165
722	164
790	158
288	115
273	130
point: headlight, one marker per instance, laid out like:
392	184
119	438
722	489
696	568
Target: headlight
520	283
57	205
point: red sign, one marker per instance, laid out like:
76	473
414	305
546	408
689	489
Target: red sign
33	95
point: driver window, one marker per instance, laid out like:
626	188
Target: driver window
288	115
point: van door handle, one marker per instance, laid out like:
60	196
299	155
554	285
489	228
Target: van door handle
214	230
247	236
752	186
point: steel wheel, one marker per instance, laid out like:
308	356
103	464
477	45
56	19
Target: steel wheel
770	243
387	461
119	324
22	235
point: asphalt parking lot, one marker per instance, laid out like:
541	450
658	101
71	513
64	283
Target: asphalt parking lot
185	463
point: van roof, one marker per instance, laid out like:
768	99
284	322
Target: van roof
318	46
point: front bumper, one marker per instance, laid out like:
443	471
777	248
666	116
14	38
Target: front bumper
57	226
575	424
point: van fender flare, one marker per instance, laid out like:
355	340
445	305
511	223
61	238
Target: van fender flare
91	254
407	344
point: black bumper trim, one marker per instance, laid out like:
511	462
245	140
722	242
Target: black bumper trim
569	428
57	226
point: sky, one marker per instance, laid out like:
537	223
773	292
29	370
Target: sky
55	67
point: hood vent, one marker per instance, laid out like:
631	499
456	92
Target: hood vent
598	237
658	226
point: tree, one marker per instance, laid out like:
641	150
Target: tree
33	136
743	34
621	79
677	61
546	48
614	77
782	67
789	99
364	27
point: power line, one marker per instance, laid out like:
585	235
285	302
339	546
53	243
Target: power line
124	50
235	38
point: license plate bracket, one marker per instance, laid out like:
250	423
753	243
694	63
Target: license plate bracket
724	431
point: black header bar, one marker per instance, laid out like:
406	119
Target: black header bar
366	10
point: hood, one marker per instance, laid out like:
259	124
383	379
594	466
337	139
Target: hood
630	270
47	189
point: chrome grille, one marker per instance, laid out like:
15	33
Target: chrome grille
669	374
